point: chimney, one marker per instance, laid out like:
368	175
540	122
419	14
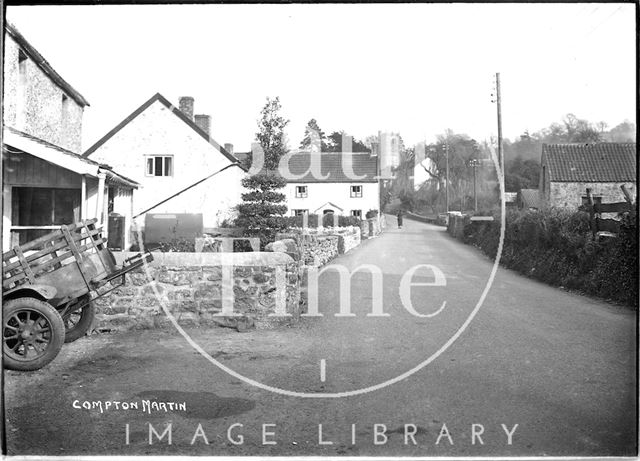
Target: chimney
228	147
186	106
204	123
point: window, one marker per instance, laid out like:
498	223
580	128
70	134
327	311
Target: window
299	212
356	191
301	191
160	166
356	213
35	207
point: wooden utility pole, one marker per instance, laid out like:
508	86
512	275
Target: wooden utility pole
475	190
446	188
499	101
474	163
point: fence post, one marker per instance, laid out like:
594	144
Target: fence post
627	195
592	218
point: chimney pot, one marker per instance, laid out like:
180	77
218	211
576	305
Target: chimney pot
228	147
186	106
204	123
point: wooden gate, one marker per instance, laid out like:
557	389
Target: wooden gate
607	227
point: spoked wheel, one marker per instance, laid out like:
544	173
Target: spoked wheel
32	334
77	323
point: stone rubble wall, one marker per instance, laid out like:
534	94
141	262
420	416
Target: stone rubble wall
189	285
372	227
311	249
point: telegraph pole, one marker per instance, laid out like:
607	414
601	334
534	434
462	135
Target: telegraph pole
446	189
499	101
475	190
474	163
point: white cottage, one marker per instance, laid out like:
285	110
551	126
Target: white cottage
345	183
166	150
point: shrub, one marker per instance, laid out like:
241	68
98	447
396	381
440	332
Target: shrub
343	221
297	221
261	212
327	221
180	245
371	214
556	247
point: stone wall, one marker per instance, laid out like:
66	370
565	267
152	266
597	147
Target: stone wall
323	250
190	285
36	106
569	194
349	237
372	227
312	249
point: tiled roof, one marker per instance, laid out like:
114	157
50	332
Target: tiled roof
530	198
42	63
594	162
335	164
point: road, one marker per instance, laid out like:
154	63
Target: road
538	371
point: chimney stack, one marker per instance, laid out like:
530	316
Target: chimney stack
204	123
186	106
228	147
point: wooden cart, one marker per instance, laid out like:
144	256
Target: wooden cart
48	285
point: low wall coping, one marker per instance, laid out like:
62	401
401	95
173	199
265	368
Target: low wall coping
255	258
328	237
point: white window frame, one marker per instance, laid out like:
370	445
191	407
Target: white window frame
304	194
299	212
153	158
356	213
354	194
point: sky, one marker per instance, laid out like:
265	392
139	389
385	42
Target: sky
416	69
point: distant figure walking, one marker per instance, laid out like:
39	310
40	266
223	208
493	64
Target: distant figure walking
399	219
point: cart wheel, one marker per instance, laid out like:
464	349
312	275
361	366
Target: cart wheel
32	334
77	323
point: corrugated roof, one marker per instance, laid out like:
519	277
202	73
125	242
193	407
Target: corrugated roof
334	164
593	162
42	63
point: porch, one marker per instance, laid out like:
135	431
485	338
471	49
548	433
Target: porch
46	186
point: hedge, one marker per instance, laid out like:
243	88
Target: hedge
556	247
327	221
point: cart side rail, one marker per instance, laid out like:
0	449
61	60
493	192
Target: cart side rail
52	251
45	238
